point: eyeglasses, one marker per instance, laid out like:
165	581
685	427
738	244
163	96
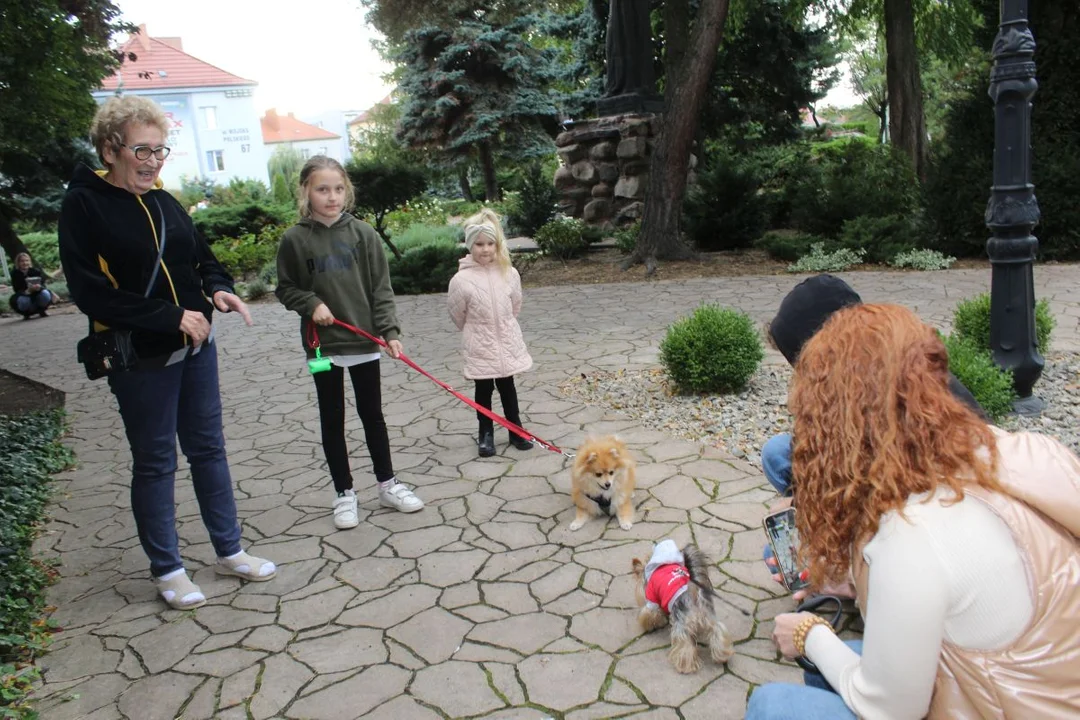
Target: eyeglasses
143	152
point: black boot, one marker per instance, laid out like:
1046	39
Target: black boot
519	442
486	444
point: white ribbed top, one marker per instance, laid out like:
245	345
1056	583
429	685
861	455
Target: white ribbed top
947	573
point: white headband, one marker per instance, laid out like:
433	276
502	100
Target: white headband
473	231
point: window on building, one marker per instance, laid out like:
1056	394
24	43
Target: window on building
215	161
304	153
322	150
210	118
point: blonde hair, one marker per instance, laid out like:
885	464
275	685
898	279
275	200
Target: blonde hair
322	162
25	255
112	120
487	222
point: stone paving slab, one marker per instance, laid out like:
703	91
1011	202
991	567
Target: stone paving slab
482	605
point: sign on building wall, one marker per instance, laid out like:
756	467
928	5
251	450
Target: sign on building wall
181	129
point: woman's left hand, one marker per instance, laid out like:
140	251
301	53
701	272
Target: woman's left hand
784	630
394	348
226	302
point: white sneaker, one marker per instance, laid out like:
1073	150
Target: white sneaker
345	513
400	498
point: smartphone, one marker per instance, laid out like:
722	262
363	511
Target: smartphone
784	539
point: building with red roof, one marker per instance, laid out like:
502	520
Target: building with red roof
306	138
215	128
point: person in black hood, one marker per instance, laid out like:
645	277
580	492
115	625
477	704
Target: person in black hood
803	312
115	224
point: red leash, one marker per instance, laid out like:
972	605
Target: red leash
313	341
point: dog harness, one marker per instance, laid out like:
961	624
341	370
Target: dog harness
603	502
666	584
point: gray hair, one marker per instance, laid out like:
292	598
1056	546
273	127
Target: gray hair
113	118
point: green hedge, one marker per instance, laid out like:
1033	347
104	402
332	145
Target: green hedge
425	269
714	349
29	452
233	221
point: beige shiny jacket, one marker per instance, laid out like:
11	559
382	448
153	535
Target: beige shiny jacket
1038	675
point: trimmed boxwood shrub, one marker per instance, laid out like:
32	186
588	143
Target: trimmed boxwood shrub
974	367
715	349
971	322
425	269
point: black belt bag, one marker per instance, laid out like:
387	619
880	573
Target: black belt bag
112	351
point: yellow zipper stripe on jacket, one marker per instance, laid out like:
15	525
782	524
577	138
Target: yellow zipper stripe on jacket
157	247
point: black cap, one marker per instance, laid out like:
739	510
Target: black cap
805	309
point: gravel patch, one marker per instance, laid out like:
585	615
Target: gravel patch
741	423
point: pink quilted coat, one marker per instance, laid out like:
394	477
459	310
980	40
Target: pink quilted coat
484	304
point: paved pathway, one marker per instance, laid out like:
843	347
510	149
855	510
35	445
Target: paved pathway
482	605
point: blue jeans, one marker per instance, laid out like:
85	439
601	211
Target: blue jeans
157	406
33	303
814	700
776	462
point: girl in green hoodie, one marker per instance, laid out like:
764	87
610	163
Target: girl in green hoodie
332	266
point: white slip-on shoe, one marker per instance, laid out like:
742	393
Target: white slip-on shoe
346	515
400	498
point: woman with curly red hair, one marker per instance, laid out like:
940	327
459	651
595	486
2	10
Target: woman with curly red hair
961	539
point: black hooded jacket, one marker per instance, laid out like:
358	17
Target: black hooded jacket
806	308
108	247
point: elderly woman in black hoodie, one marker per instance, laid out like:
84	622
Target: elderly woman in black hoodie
113	224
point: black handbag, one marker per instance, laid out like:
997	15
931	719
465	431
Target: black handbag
112	351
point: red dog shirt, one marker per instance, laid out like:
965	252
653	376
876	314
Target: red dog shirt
666	583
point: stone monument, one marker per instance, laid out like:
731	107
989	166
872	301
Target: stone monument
605	161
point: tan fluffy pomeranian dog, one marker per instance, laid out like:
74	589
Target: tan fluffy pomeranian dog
603	480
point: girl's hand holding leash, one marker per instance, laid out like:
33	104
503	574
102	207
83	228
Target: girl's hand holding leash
394	348
322	315
227	302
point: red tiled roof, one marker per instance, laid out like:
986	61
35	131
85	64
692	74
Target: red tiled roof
366	115
163	64
286	128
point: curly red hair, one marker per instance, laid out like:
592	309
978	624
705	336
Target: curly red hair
875	422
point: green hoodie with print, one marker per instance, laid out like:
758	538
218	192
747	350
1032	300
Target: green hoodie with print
344	266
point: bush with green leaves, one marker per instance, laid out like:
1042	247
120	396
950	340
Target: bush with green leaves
232	221
883	238
714	349
723	210
384	187
536	202
30	451
971	322
425	269
789	245
923	260
562	238
420	235
819	260
626	238
44	249
249	253
849	179
973	366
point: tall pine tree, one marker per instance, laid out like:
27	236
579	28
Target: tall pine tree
478	87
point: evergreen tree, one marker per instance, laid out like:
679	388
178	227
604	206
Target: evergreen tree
477	87
53	53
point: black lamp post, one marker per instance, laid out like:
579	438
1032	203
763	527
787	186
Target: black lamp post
1012	211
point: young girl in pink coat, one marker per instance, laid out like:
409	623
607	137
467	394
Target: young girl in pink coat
484	301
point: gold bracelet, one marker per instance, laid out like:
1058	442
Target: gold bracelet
803	629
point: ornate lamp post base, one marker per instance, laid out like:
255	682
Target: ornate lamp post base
1012	212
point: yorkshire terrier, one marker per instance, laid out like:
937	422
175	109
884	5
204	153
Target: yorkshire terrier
676	585
602	481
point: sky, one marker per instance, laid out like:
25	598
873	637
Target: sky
308	57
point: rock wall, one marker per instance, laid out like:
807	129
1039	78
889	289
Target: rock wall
605	168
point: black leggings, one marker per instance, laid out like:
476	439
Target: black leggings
330	388
507	393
